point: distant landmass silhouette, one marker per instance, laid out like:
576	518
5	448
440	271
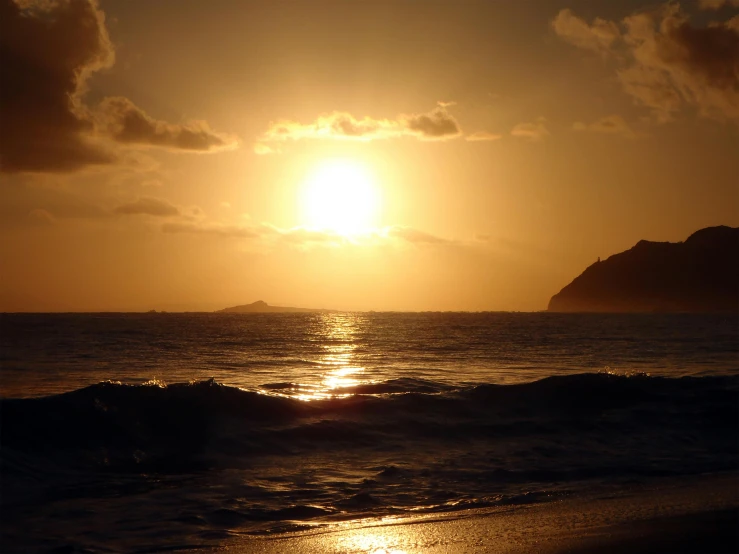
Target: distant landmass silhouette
261	307
698	275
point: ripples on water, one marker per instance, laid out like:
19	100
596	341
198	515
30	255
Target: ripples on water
321	353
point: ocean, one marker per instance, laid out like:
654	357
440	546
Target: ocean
162	431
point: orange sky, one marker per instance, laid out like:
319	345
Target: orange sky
390	155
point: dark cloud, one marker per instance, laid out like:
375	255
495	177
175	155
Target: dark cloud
435	125
127	123
48	49
46	52
148	206
676	64
665	62
597	36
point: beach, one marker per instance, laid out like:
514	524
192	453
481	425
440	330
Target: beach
688	515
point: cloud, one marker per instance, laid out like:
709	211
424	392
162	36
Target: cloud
482	136
337	125
129	124
297	236
532	131
717	4
414	236
218	229
302	237
437	124
148	206
666	63
610	124
48	50
598	36
261	149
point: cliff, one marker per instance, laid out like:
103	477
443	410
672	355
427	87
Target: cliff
261	307
698	275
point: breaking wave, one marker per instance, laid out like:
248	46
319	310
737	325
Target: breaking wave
155	427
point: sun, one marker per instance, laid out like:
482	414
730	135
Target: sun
341	196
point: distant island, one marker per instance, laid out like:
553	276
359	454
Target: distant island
698	275
261	307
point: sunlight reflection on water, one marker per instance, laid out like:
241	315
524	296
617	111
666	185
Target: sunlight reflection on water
309	355
338	332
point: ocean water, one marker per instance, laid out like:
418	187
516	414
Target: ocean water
153	432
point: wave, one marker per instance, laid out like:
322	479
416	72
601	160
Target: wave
216	458
186	426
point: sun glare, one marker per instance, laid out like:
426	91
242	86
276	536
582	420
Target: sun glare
340	196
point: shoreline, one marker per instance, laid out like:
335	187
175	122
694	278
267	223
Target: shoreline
680	515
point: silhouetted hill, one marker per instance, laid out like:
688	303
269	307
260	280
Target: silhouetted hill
260	307
698	275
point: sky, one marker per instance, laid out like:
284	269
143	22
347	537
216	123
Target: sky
353	154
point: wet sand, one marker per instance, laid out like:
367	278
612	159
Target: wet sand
687	515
